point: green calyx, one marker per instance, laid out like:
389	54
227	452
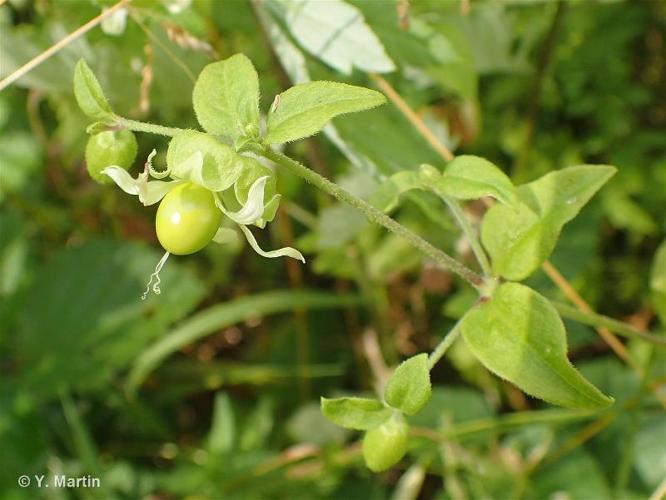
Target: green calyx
110	148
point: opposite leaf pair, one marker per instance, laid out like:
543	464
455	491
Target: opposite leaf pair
385	442
226	102
514	331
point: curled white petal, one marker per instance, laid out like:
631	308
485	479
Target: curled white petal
253	208
280	252
149	192
123	179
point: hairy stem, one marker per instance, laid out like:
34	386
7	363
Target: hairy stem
470	233
443	346
151	128
373	214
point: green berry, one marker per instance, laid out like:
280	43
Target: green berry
109	148
384	446
187	219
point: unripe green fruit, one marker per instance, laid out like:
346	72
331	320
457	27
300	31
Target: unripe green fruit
384	446
187	219
109	148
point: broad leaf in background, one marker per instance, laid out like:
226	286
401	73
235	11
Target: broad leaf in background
470	177
21	160
518	335
454	65
84	319
650	454
335	32
355	413
226	98
409	388
520	237
226	314
576	473
658	282
304	109
89	93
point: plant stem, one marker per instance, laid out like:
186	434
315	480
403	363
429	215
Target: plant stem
596	320
56	47
469	232
443	346
623	470
373	214
151	128
505	422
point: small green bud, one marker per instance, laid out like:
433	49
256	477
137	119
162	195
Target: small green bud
384	446
109	148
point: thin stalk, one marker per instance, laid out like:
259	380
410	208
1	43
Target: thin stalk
151	128
629	446
469	232
56	47
599	320
505	422
443	346
373	214
572	294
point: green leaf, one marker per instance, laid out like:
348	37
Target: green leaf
387	196
336	32
518	335
522	236
384	446
89	93
355	413
304	109
226	98
221	168
226	314
658	282
409	388
470	177
81	344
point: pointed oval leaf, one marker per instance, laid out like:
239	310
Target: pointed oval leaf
304	109
520	237
226	98
519	336
221	167
409	387
355	413
89	94
470	177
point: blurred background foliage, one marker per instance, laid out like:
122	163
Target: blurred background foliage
210	390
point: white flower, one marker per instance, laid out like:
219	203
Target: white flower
152	191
